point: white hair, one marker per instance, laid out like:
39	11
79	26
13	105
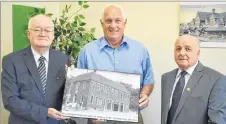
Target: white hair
116	6
31	19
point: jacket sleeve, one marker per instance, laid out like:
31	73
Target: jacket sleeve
217	103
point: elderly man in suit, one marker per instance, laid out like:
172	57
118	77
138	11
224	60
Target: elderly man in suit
33	78
192	93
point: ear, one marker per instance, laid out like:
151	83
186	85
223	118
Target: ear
101	22
198	52
125	21
28	32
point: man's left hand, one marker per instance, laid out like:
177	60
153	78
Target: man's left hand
143	102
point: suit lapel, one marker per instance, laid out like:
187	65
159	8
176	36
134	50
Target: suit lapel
193	80
168	91
31	65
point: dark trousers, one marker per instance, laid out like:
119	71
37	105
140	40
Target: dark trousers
140	121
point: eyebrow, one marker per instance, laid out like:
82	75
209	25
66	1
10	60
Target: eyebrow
44	27
187	46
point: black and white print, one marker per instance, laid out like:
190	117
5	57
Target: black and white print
206	21
101	95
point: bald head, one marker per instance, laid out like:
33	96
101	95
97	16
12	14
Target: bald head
186	52
113	7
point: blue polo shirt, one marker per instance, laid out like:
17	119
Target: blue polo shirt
130	57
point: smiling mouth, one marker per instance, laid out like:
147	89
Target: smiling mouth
113	30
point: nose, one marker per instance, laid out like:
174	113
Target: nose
182	52
113	24
42	33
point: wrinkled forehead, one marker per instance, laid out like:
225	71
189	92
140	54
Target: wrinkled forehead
113	13
42	22
187	41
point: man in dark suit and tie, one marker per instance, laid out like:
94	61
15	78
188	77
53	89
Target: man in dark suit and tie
33	78
192	93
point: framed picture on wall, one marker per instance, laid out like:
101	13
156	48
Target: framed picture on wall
206	21
101	95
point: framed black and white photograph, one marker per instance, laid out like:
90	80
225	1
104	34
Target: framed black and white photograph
101	95
206	21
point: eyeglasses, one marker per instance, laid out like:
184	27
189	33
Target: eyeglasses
39	30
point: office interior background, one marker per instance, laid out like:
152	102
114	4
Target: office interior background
155	24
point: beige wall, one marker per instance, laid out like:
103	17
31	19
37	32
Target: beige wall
155	24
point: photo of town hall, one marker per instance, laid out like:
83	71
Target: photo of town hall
101	94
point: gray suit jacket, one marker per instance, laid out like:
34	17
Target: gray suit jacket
205	103
22	91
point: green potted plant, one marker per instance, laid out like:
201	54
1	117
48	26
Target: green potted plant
70	32
71	35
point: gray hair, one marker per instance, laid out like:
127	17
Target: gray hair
116	6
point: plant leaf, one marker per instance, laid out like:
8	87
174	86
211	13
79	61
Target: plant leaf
80	3
82	24
81	16
76	18
49	14
85	6
62	21
81	29
42	11
93	30
69	7
36	10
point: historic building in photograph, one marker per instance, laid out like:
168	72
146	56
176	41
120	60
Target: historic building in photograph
93	91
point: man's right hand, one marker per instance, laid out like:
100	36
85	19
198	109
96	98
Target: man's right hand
97	121
53	113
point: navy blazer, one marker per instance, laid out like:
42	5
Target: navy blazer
22	91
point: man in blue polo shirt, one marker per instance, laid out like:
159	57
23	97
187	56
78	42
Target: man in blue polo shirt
117	52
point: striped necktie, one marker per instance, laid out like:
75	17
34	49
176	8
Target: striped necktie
42	72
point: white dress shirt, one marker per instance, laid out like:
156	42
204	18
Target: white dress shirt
37	56
187	76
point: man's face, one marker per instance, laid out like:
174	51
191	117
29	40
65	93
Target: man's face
186	52
113	24
41	32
